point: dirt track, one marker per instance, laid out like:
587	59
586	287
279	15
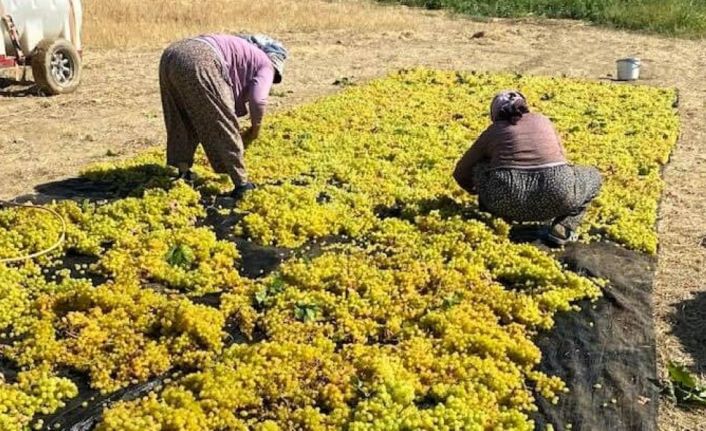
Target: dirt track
117	111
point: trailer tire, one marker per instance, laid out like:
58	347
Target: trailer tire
56	66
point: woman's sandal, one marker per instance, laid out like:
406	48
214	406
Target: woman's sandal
560	235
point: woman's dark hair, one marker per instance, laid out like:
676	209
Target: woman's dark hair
514	111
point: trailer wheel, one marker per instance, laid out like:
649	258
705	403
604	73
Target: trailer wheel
56	66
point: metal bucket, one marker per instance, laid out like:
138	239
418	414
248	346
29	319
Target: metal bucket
628	69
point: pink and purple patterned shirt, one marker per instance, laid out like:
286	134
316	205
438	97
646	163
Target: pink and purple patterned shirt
249	70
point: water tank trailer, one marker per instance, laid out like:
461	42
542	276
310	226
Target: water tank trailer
46	35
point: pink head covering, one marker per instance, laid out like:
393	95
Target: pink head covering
505	100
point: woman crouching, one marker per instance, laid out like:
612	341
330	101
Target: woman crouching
519	170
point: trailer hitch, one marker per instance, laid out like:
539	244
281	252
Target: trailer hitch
15	38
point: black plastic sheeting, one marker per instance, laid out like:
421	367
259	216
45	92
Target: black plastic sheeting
83	413
605	353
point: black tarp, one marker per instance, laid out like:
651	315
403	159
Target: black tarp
605	353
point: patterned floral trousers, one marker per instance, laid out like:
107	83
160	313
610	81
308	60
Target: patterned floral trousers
199	107
560	193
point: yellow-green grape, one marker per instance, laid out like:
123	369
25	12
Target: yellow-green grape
239	307
24	231
36	391
422	316
189	259
91	226
410	128
14	299
119	334
413	326
289	215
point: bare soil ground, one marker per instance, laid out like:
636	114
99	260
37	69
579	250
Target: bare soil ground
117	113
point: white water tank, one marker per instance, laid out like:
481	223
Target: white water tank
41	19
49	33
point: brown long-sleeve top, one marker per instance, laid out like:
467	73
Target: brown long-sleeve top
532	143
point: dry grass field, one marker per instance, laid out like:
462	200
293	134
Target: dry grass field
117	111
137	23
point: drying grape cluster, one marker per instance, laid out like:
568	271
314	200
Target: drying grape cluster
420	313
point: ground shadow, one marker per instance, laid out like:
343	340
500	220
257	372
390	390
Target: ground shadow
13	88
121	182
689	326
8	368
521	233
115	183
257	261
444	205
531	233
